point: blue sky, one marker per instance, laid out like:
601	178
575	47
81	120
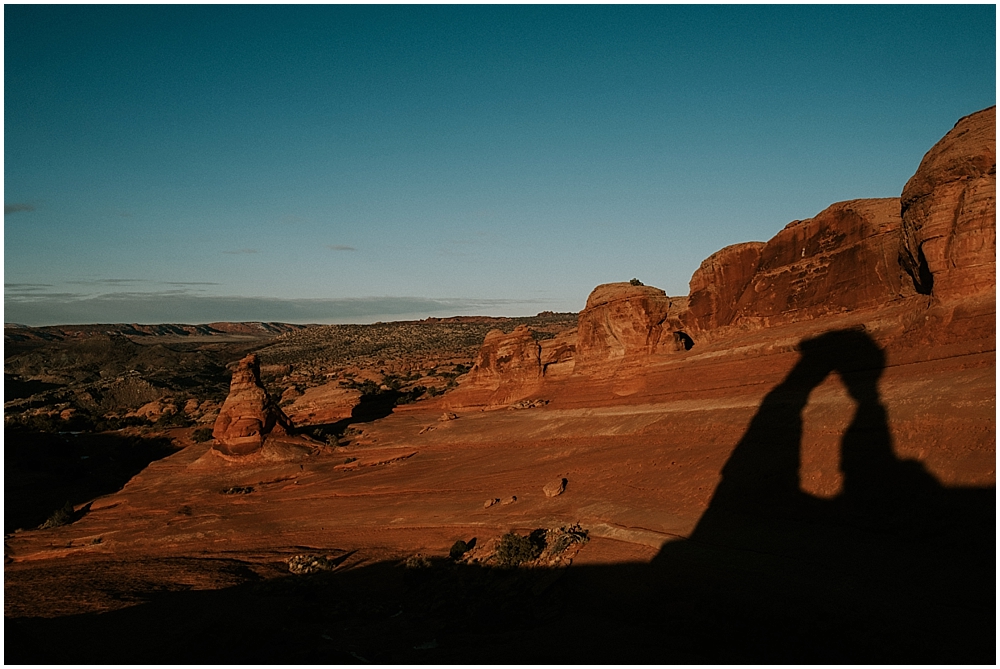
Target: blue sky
360	163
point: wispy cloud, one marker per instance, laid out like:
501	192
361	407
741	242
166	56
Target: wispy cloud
15	207
25	287
340	247
107	282
191	283
180	306
240	252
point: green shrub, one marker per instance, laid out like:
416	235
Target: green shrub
513	549
59	517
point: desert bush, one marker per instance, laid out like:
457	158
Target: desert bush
310	564
238	490
172	420
202	434
59	517
417	562
513	549
567	536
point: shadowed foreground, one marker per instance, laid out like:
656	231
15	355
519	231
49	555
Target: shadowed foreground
895	568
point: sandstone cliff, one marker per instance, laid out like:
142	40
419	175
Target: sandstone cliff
949	213
248	414
716	286
842	259
855	257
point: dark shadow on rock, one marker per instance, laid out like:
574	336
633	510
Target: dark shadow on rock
370	407
895	569
44	471
892	569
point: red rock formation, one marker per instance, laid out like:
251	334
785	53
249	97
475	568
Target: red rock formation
718	283
328	403
949	212
842	259
624	321
558	354
249	414
508	367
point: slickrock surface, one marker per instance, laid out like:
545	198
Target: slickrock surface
949	212
248	414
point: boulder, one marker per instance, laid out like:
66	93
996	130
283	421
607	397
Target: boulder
948	228
555	488
248	414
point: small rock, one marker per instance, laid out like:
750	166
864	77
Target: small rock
491	502
447	415
510	500
555	488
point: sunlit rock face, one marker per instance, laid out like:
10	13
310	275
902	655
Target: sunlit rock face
508	367
248	414
624	321
716	286
843	258
949	213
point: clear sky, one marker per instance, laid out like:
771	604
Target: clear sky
360	163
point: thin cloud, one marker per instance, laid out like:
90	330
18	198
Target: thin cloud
191	283
340	247
180	307
107	282
26	286
240	252
15	207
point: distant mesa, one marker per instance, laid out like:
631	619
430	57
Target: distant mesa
248	414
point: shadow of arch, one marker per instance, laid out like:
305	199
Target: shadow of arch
844	579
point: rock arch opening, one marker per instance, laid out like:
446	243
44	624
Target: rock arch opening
685	340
